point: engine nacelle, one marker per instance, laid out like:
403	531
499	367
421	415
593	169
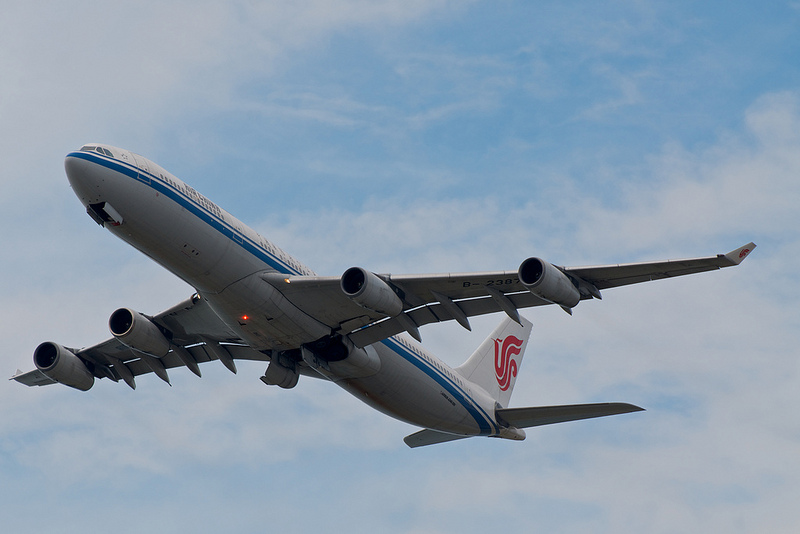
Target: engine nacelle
370	292
336	357
548	282
138	332
280	375
63	366
359	363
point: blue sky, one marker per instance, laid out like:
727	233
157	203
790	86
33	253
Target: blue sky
417	137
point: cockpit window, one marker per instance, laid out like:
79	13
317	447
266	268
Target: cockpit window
101	150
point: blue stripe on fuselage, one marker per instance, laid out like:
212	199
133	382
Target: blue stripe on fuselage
216	222
485	422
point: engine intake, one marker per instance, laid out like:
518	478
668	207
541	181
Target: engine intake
548	282
61	365
368	291
138	332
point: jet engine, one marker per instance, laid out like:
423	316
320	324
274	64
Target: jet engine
368	291
336	357
548	282
281	372
138	332
63	366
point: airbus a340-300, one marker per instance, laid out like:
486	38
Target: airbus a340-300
255	302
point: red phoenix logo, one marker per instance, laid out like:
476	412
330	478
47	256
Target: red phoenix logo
505	368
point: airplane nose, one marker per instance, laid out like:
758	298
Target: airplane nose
84	178
73	166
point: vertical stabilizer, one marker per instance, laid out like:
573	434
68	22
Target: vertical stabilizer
495	364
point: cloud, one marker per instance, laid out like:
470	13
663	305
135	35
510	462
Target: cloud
467	164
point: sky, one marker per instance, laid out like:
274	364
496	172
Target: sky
416	137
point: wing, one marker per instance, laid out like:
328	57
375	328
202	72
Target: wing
430	298
33	378
607	276
198	336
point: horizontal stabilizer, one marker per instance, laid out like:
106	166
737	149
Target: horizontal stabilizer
430	437
548	415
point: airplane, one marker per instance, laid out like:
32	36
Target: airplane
253	301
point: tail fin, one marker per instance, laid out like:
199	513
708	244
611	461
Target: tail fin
495	364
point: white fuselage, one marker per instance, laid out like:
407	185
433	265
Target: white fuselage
225	261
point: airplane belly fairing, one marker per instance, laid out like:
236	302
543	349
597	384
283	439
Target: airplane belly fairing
262	316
